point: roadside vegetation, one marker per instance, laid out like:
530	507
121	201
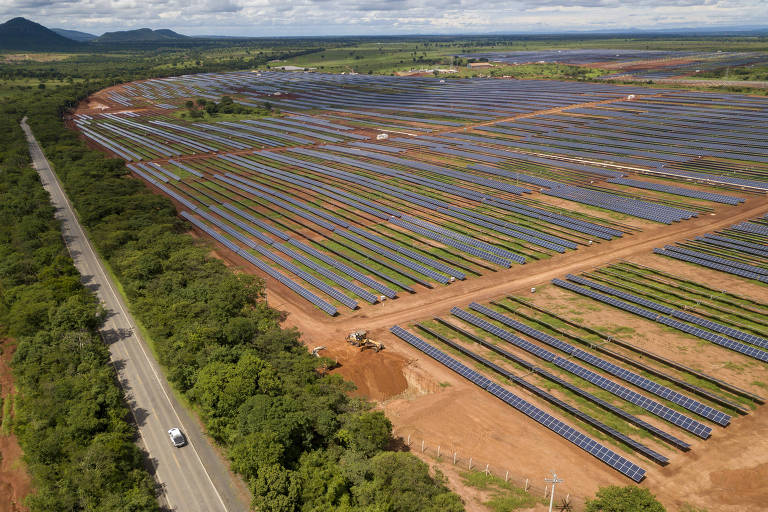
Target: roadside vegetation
69	414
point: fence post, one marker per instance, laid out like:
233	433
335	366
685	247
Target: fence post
486	470
454	458
506	477
408	442
470	463
526	485
545	490
422	446
438	451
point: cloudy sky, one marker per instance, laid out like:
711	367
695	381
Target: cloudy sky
346	17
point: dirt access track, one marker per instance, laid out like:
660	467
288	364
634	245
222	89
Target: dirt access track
15	483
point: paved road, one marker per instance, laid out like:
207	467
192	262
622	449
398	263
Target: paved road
193	478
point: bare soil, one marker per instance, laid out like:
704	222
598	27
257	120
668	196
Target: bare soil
15	482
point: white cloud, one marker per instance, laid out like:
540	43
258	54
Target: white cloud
368	17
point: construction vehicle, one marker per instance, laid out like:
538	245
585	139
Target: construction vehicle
360	339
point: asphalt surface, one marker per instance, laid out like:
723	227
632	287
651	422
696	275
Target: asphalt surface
194	477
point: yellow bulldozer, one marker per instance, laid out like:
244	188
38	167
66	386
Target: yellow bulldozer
360	339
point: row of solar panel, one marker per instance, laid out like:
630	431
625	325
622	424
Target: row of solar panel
567	385
606	455
622	392
679	191
617	371
653	455
706	335
674	312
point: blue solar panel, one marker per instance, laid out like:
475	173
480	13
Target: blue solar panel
622	392
440	278
574	389
712	265
719	340
680	191
314	299
333	276
606	455
458	274
317	283
388	292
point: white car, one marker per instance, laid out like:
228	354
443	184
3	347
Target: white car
177	438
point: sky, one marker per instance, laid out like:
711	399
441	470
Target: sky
380	17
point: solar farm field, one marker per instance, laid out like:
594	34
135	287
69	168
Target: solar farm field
631	64
593	256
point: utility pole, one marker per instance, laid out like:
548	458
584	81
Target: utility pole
554	480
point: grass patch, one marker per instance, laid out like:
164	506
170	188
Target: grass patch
505	497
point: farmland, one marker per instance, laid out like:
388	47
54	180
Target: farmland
592	255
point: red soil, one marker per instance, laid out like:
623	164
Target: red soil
15	483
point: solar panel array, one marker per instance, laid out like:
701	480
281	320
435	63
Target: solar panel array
741	249
679	191
644	383
618	390
606	455
565	384
700	333
673	312
311	297
434	203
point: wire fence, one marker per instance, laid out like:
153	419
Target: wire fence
449	453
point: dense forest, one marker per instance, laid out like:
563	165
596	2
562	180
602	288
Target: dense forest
296	436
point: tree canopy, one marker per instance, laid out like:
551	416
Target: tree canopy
624	499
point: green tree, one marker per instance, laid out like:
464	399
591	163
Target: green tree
624	499
399	482
367	432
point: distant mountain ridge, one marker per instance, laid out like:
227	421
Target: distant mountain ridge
75	35
22	34
142	34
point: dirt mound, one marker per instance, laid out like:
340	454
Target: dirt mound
377	375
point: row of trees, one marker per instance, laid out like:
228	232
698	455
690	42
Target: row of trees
70	416
298	438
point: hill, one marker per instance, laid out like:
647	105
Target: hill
75	35
23	34
142	34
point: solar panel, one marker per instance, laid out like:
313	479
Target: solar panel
440	278
719	340
606	455
567	385
712	265
622	392
311	297
388	292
